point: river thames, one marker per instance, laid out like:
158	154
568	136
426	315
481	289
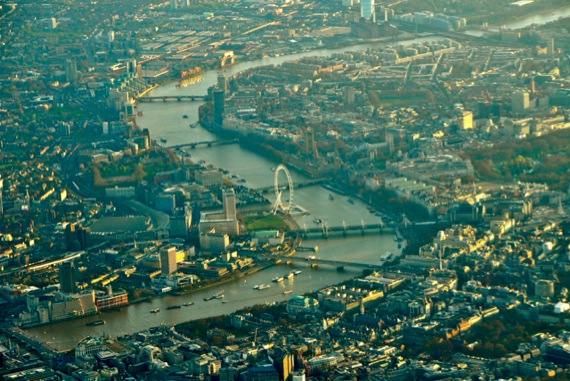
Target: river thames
165	121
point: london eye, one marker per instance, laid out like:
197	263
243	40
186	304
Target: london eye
283	193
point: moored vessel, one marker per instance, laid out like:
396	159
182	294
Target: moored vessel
96	322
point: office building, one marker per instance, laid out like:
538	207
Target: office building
282	361
348	96
228	374
262	373
112	300
367	10
222	222
520	102
210	178
465	120
76	237
551	50
219	106
71	70
229	200
215	243
52	23
133	67
181	221
223	82
67	278
168	260
179	4
1	190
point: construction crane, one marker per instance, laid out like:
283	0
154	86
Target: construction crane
307	367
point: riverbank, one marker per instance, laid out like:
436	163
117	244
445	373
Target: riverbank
515	15
36	325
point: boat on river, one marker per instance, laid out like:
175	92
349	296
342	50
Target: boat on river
155	311
219	295
96	322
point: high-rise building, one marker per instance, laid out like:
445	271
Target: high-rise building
179	4
551	48
386	14
180	221
367	10
133	67
168	260
223	82
76	237
70	236
348	95
497	108
283	362
219	106
1	190
229	200
228	373
71	70
520	102
67	278
465	120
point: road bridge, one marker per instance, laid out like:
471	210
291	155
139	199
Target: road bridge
43	348
326	231
207	143
299	184
178	98
331	262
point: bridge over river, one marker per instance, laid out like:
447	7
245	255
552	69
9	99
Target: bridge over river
315	262
44	349
178	98
325	230
298	184
207	143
